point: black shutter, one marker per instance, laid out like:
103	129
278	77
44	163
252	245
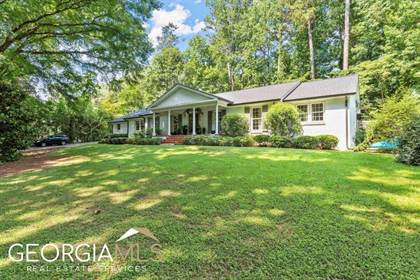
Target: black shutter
209	121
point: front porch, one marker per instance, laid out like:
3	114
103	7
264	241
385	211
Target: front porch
186	111
189	121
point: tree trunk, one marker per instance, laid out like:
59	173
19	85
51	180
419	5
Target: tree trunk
280	57
346	43
231	77
311	49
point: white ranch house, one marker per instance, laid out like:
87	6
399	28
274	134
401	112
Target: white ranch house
326	107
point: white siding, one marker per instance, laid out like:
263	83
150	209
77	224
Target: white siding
181	97
123	128
334	120
240	109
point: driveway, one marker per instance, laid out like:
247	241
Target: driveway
36	158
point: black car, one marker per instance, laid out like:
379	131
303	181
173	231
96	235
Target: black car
59	139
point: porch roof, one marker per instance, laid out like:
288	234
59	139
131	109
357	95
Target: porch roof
140	113
186	96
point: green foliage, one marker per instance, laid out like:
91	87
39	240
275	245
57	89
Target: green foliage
306	142
148	141
132	141
281	141
327	142
234	125
139	134
17	121
63	43
283	119
360	136
78	118
262	139
409	147
243	141
118	135
204	140
389	121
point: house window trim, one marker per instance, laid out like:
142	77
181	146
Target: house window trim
309	113
118	126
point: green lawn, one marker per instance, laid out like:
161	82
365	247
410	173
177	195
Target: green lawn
222	212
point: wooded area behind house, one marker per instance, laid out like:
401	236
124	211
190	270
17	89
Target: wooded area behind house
88	54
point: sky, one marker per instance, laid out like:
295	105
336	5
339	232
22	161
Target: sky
187	15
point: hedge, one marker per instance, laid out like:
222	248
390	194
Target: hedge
204	140
133	141
323	142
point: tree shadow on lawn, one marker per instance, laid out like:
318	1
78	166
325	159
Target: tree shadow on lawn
224	212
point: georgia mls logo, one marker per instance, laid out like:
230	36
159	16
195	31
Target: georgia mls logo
84	252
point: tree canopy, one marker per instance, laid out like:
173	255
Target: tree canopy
58	44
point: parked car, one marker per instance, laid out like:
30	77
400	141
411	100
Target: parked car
58	139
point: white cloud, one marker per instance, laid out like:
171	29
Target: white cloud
177	16
198	1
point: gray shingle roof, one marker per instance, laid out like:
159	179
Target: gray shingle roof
141	112
266	93
325	88
286	92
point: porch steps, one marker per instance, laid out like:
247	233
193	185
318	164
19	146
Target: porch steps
174	139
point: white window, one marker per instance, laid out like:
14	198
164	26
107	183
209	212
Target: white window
118	126
137	125
318	112
303	112
256	120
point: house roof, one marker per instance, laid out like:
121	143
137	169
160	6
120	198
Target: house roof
324	88
285	92
252	95
197	91
140	113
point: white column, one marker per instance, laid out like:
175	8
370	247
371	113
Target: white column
169	122
217	119
193	131
146	125
153	125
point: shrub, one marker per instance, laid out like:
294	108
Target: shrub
306	142
188	140
283	119
226	141
281	141
18	120
203	140
147	141
360	136
390	120
149	132
235	125
327	142
409	147
118	140
117	135
262	139
243	141
139	134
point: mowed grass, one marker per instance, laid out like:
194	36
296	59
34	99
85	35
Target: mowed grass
222	212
